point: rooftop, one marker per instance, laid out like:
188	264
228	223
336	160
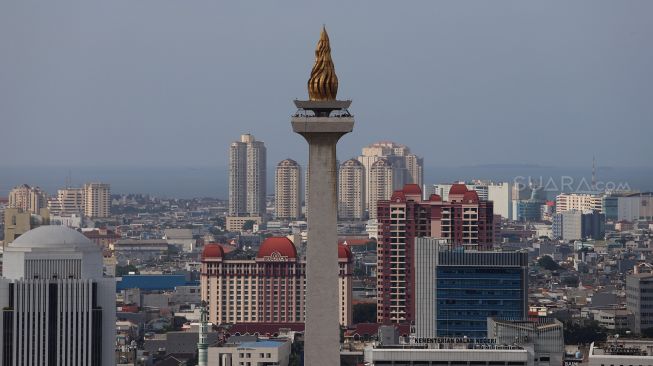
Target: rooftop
261	344
51	237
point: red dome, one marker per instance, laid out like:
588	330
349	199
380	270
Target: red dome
277	246
435	198
412	189
470	197
212	251
458	188
344	252
398	196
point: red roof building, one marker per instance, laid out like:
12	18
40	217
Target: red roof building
268	289
465	220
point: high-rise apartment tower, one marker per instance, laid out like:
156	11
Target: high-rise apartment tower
351	190
287	190
247	180
29	199
97	200
465	221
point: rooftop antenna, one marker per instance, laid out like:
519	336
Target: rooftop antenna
68	179
593	173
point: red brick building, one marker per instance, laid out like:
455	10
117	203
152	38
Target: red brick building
465	221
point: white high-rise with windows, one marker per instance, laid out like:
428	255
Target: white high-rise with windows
287	190
97	200
351	190
68	201
29	199
578	201
57	307
407	168
383	181
247	159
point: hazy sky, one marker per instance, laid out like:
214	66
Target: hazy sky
173	82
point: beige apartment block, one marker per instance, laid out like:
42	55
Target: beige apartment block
97	200
287	190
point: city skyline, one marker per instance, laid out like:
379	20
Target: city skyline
456	73
146	222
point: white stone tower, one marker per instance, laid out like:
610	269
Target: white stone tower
322	120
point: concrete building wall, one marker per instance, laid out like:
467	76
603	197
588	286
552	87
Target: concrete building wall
571	225
237	178
69	201
639	300
250	353
545	335
501	195
97	200
287	190
407	168
266	290
247	177
382	184
235	223
53	275
27	198
351	190
579	202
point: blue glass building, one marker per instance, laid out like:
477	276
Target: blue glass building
457	291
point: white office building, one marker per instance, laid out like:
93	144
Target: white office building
578	202
257	352
57	307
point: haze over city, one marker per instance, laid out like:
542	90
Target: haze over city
335	183
169	84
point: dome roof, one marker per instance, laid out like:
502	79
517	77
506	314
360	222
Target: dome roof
52	236
212	251
398	196
288	162
470	197
381	163
412	189
435	198
352	162
277	246
344	252
458	188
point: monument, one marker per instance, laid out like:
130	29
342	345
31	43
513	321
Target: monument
322	121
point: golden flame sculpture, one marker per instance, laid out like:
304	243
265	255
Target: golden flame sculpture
323	83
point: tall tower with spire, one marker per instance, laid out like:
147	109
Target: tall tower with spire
322	121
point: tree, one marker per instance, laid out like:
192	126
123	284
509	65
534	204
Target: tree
248	225
548	263
124	270
583	332
364	313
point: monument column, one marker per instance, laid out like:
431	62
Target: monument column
322	120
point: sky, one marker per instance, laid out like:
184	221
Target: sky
172	83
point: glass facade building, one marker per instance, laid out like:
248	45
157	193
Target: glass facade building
456	291
467	296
